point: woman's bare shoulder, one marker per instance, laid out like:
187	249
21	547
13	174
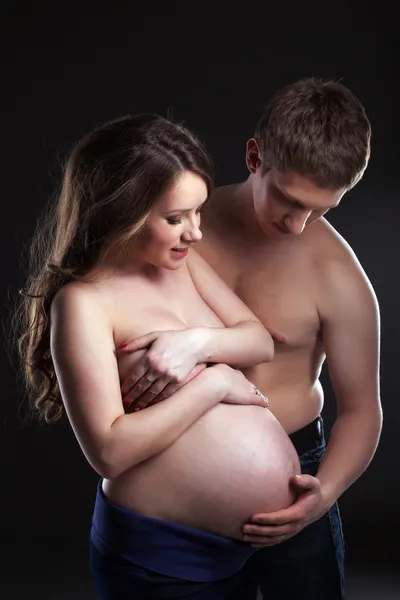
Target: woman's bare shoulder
105	292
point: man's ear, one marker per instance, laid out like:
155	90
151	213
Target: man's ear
253	155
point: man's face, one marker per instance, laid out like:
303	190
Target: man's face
287	202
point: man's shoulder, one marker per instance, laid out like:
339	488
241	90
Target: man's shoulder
221	202
340	271
223	191
328	245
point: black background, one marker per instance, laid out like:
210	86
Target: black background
67	67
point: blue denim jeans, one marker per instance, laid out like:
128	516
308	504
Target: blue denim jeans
308	566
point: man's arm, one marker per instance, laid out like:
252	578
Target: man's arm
350	318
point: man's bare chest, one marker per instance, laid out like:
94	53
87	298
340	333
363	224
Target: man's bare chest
281	289
284	303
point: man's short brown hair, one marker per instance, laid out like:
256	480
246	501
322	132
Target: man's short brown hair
317	128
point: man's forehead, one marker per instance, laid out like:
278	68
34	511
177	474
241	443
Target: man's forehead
304	192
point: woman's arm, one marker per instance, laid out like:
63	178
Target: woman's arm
244	341
82	348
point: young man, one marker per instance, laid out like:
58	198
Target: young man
268	239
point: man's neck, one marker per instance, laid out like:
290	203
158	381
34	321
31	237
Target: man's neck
240	205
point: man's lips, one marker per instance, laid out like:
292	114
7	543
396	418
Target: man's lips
281	228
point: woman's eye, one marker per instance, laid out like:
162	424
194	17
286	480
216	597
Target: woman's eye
172	221
202	207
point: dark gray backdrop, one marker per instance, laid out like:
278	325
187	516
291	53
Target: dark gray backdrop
65	68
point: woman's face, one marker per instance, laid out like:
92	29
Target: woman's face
174	223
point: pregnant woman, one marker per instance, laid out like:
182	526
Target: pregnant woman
113	263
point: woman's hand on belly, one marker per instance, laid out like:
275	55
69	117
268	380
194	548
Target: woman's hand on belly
239	390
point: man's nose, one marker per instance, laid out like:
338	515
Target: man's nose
295	223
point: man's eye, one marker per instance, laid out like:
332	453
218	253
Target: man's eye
173	221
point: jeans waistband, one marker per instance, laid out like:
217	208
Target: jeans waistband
308	437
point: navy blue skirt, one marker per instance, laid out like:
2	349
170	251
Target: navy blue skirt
140	557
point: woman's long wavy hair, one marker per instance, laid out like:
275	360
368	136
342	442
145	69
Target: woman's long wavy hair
111	180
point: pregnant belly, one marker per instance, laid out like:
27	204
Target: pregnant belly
233	462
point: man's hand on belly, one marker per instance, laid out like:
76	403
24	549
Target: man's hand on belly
273	528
